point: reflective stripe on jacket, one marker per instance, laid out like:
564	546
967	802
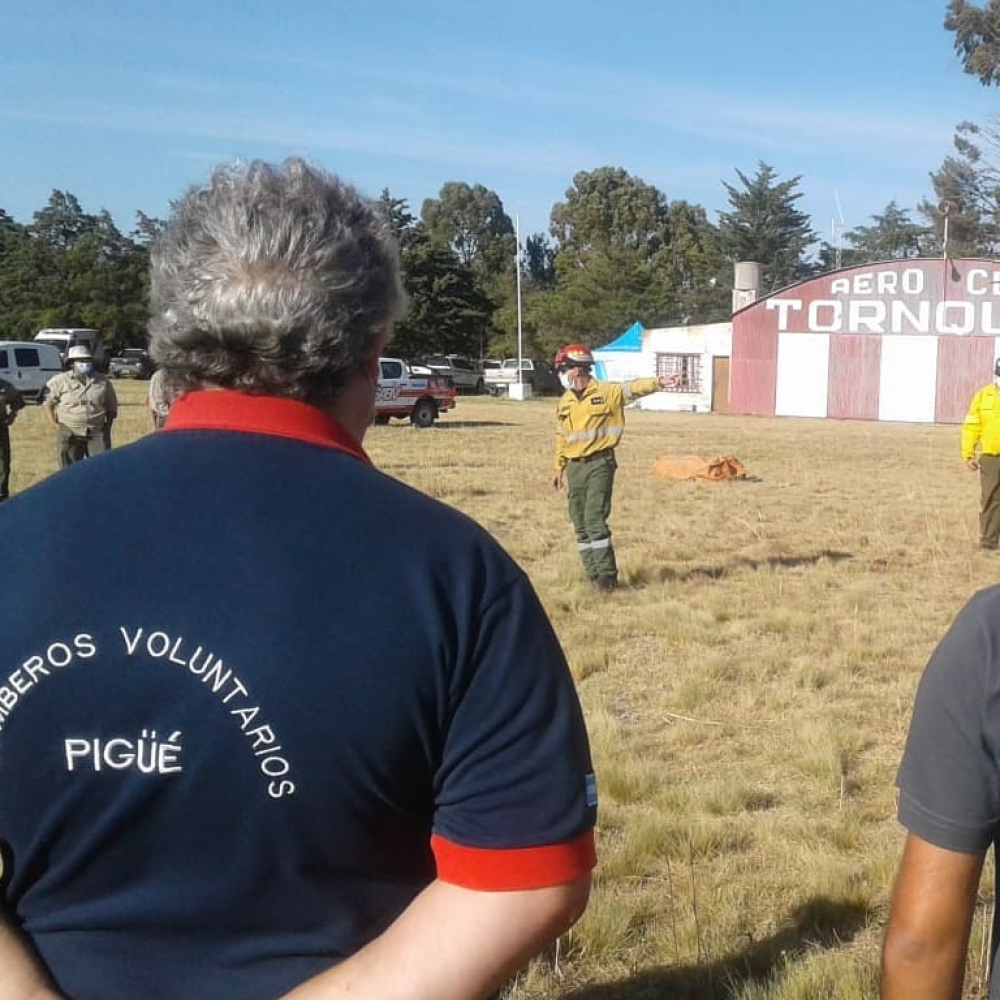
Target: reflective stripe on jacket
594	420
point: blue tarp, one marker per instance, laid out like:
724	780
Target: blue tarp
630	340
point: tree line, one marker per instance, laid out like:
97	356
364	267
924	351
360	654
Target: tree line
617	250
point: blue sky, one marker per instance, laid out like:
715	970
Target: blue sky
124	104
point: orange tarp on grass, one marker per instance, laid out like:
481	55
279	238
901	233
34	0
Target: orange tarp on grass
699	467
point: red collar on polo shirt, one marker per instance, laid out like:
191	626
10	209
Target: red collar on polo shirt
226	410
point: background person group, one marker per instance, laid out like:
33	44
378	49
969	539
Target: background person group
949	776
81	406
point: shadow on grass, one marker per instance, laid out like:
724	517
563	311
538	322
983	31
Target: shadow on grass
457	424
820	923
669	573
445	424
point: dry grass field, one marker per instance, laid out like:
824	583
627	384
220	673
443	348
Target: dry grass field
747	690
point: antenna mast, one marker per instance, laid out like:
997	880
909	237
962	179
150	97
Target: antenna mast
946	207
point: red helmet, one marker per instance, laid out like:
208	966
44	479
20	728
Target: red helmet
573	356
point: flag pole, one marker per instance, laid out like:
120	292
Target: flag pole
517	269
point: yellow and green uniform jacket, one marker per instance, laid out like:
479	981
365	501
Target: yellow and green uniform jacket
595	420
982	423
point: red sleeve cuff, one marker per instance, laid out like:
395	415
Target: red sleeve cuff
513	868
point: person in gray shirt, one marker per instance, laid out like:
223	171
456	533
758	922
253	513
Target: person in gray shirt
949	803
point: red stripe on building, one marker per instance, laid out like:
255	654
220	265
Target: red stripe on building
753	368
964	365
855	367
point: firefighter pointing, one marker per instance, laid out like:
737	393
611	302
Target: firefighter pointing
589	424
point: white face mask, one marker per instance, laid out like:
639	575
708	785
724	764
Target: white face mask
566	379
82	367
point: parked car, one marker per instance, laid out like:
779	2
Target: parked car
465	374
403	391
133	362
28	366
540	375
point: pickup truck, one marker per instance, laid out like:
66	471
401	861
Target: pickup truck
404	393
466	374
540	375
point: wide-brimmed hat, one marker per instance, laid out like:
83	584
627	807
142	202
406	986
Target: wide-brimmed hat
79	352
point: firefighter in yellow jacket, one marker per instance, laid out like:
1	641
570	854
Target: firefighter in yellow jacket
981	430
589	424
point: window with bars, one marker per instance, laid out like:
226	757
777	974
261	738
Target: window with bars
687	366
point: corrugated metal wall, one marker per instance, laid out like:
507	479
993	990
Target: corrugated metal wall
753	370
855	364
957	358
907	340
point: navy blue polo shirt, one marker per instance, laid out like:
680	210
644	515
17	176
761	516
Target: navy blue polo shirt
254	696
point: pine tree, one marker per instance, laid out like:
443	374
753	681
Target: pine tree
765	226
893	236
967	189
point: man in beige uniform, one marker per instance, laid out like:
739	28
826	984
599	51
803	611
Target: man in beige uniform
81	406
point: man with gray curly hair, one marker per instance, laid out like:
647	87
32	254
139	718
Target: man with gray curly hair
311	734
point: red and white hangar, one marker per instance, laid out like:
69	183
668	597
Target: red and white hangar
907	340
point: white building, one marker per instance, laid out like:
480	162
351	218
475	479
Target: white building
699	354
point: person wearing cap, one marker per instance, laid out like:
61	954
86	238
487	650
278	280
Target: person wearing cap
10	402
312	735
981	452
590	420
81	406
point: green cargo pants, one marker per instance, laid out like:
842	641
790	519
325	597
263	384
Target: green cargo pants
589	482
989	507
72	447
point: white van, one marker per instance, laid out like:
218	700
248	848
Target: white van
28	365
63	338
